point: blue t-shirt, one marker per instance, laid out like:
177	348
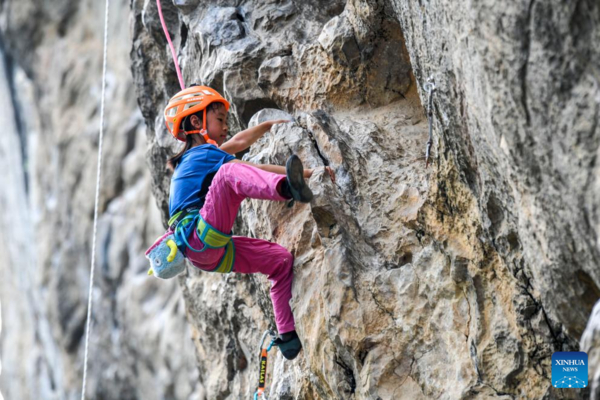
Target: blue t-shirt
193	176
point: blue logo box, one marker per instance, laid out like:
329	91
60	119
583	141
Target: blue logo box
569	369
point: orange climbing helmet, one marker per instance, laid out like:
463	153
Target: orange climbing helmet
190	101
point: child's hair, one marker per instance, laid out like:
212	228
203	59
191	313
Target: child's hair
189	140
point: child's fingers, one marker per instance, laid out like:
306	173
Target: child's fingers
331	173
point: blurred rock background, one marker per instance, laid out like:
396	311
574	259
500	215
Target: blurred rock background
454	281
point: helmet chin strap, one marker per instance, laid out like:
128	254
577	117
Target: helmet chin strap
208	140
203	132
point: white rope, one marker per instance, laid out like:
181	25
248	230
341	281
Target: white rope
89	313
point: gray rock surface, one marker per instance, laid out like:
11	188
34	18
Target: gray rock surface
455	281
590	343
50	86
393	247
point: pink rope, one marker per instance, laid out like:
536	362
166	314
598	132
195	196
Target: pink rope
162	21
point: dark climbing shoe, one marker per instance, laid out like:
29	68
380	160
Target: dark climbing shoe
289	345
295	180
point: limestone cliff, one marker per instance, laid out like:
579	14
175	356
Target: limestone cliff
50	84
454	281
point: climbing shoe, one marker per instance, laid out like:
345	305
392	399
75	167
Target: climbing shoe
296	186
289	344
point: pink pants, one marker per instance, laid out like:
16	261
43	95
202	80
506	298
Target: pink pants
230	186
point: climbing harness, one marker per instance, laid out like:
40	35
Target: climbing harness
98	176
184	103
262	377
182	224
430	88
179	216
164	26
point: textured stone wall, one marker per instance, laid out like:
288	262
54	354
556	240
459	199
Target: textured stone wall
455	281
50	85
518	114
590	343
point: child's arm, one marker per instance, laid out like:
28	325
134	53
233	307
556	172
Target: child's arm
246	138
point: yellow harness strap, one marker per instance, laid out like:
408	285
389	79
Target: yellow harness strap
212	239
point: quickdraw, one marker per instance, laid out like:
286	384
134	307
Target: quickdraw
262	376
430	88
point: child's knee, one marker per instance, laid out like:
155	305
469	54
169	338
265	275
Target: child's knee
283	260
290	258
287	258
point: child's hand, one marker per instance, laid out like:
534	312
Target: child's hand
279	121
331	173
308	173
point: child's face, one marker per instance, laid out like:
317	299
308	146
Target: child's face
217	125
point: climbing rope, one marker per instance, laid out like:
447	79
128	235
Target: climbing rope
98	176
164	26
262	376
430	88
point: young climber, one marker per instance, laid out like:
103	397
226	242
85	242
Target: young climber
207	188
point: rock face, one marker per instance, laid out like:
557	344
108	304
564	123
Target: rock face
50	85
590	343
454	281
